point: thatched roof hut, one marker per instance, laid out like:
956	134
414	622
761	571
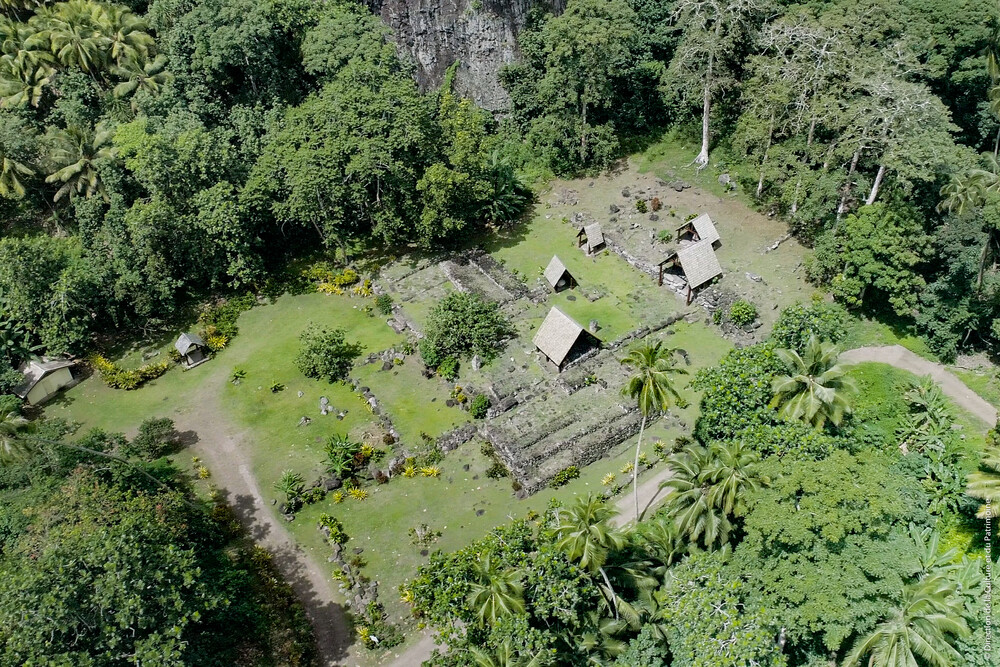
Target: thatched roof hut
700	229
591	238
560	338
697	261
558	276
192	349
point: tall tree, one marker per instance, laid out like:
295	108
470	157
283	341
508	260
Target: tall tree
816	389
705	59
652	387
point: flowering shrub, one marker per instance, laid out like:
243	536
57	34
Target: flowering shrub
117	377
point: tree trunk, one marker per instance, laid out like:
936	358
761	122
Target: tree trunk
875	186
842	206
635	469
770	134
701	161
583	129
798	181
996	144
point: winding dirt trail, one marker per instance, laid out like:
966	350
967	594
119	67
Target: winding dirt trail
222	448
955	389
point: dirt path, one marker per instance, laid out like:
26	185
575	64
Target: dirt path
899	357
221	447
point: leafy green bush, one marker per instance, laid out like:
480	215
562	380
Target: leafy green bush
117	377
479	406
463	324
665	236
742	313
448	369
325	354
156	438
9	403
383	303
336	533
797	322
564	476
640	205
220	319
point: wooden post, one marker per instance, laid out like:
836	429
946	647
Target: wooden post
690	295
661	275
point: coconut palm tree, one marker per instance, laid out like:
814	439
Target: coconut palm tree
707	487
733	473
924	625
13	446
652	387
584	533
985	483
26	87
148	75
128	36
817	389
495	592
689	503
75	153
76	43
11	172
507	656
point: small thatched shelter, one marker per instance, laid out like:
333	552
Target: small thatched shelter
558	275
700	229
43	378
192	349
590	238
561	339
697	261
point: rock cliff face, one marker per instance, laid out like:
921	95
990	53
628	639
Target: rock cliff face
480	34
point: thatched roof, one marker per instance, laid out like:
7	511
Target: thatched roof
557	335
706	228
188	340
555	271
594	234
35	370
699	263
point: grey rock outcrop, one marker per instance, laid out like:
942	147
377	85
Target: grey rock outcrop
479	34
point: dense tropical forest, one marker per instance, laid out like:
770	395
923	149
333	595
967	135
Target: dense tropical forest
156	156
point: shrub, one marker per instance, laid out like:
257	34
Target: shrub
325	354
9	379
217	342
797	322
464	324
479	406
276	386
564	476
448	368
430	471
237	375
117	377
742	313
640	205
665	236
335	529
383	303
220	319
156	438
656	204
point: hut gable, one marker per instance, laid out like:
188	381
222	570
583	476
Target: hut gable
701	229
557	275
557	336
699	263
591	237
187	341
